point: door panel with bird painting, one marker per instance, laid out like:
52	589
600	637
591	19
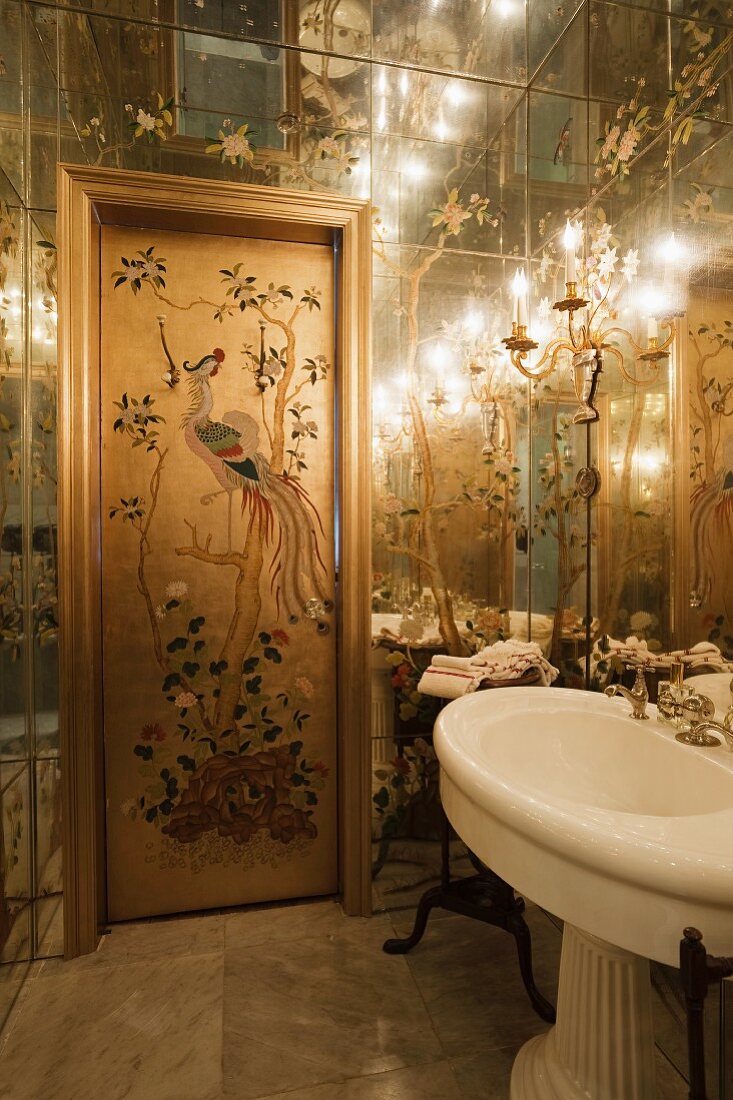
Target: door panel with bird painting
217	443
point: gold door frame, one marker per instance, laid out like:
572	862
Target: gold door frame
89	198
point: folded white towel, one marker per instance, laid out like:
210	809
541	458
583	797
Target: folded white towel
444	660
451	677
511	659
449	683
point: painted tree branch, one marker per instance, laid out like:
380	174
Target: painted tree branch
609	615
144	550
245	617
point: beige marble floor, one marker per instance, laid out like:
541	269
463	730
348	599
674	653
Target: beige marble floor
289	1003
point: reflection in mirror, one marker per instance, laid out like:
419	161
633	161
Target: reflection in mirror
482	134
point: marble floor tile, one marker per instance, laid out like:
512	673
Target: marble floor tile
290	922
469	977
349	1008
671	1085
484	1075
432	1082
252	1069
141	1031
141	941
15	979
294	1002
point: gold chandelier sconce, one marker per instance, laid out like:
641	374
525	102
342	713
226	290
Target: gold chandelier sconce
480	394
585	342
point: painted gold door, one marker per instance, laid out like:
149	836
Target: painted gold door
218	570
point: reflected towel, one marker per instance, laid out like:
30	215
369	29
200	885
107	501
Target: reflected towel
451	677
635	651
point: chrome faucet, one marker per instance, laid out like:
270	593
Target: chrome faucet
638	696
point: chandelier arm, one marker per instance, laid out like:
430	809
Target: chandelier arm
551	352
446	420
626	374
533	376
638	349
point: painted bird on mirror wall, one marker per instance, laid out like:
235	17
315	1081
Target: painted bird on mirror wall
279	505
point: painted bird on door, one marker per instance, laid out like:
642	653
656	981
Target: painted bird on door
277	504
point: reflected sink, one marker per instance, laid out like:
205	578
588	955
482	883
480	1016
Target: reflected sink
612	825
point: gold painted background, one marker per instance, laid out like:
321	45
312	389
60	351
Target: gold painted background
226	769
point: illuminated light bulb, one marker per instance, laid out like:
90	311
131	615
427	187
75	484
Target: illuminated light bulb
671	250
653	300
404	84
570	242
439	357
519	290
653	304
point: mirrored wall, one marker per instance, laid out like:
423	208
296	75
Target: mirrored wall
507	148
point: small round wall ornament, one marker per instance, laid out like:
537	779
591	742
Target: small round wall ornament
587	482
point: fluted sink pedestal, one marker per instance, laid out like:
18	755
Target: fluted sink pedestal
602	1046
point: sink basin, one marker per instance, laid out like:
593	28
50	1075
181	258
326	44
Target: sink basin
612	825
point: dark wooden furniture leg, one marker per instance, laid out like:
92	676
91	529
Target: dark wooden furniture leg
485	897
697	971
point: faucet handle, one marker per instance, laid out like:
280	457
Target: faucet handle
639	695
697	707
640	684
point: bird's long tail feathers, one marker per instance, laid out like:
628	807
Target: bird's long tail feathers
259	510
298	572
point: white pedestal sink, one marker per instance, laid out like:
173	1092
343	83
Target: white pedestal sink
615	827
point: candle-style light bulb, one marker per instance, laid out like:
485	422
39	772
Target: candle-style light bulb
519	289
653	305
569	240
